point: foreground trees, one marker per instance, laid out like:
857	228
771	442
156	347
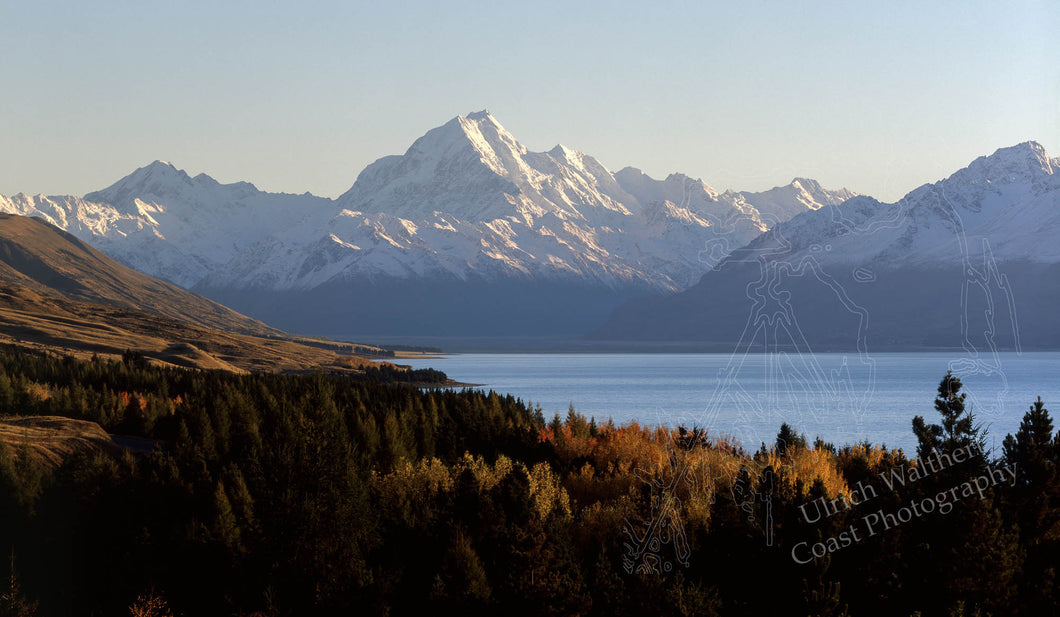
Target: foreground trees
305	495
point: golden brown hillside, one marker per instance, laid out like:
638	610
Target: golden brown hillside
59	295
31	320
51	439
49	261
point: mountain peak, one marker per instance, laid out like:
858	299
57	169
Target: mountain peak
1024	162
567	155
158	167
481	115
481	121
478	130
162	182
1027	150
157	179
458	163
807	184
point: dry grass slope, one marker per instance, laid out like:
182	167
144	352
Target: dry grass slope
51	439
45	259
59	295
78	329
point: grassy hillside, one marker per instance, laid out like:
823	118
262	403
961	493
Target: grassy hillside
51	262
79	329
58	294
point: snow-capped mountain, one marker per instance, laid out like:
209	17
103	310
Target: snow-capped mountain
165	223
971	257
1008	199
474	167
467	204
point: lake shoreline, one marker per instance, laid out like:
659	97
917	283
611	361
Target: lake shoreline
575	345
843	398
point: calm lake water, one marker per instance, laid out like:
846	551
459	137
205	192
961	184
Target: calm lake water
843	398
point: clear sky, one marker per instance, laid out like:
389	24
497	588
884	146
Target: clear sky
879	97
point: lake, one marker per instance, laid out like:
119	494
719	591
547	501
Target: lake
843	398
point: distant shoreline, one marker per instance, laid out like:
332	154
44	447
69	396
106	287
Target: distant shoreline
572	346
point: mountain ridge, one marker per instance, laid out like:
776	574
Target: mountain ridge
967	262
467	202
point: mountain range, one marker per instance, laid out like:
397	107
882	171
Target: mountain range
471	234
970	262
467	233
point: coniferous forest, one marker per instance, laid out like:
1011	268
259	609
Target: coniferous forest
315	494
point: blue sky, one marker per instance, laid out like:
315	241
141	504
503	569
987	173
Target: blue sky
879	98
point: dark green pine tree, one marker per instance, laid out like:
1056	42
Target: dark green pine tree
789	440
1034	504
1033	450
967	558
958	428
